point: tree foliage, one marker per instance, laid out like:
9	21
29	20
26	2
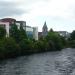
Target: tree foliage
23	34
17	34
54	40
2	32
9	48
51	30
73	35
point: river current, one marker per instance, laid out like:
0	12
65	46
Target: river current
49	63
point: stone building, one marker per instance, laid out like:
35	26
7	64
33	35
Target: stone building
44	30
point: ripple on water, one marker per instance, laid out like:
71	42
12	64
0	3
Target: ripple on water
65	66
50	63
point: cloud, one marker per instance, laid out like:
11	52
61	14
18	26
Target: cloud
8	8
15	8
57	8
35	12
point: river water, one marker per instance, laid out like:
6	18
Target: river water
50	63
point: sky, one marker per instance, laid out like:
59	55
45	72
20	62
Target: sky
58	14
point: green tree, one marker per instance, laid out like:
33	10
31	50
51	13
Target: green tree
54	41
2	32
73	35
51	30
17	34
26	46
23	34
9	48
14	32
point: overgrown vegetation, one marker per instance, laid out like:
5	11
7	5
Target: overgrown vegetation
72	40
19	44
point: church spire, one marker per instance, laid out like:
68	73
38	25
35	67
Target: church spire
45	24
45	29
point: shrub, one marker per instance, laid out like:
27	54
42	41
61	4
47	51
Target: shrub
26	46
54	41
72	43
9	48
2	32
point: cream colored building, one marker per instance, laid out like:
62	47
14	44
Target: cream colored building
35	33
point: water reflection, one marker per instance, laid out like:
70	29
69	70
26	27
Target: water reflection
50	63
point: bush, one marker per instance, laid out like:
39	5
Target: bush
72	43
17	34
51	45
39	46
9	48
2	32
72	37
26	46
54	41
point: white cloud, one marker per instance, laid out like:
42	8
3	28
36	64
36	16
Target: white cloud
51	10
61	8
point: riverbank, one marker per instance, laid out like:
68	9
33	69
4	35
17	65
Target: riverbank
34	53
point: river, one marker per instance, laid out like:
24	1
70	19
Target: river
49	63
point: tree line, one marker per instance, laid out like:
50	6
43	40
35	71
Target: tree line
18	43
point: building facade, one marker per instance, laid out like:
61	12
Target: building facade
32	32
64	34
21	23
35	33
29	31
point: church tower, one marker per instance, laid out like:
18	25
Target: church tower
44	30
